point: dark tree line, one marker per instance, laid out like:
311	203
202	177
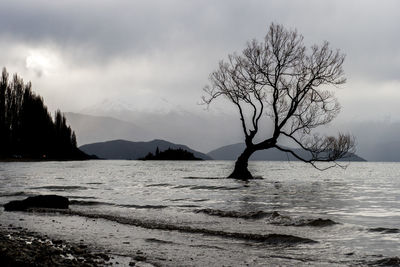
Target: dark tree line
27	129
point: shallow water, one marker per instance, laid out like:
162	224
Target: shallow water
187	213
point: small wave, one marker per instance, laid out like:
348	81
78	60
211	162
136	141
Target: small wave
212	187
13	194
207	246
235	214
315	222
182	186
61	187
143	206
82	197
161	184
177	199
187	206
88	203
204	178
159	241
394	261
216	178
207	187
200	200
385	230
273	217
94	183
96	203
273	239
283	220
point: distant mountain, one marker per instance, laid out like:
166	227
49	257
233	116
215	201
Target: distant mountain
204	130
196	127
231	152
91	129
108	106
122	149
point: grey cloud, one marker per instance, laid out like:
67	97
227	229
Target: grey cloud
366	31
142	50
111	28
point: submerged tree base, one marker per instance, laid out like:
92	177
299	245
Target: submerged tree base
241	172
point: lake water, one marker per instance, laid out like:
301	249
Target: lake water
188	214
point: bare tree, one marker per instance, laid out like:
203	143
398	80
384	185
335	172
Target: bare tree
280	79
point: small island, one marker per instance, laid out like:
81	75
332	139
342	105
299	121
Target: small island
170	154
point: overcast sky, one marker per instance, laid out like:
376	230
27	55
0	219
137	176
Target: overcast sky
158	54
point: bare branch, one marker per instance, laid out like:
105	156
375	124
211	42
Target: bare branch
282	79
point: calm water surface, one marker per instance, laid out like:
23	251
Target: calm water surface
188	214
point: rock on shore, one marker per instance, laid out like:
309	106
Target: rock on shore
41	201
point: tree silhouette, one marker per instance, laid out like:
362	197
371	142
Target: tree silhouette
27	129
280	79
3	129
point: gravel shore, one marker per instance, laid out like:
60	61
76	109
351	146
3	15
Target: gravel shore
20	247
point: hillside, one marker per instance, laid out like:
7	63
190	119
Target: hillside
122	149
231	152
193	126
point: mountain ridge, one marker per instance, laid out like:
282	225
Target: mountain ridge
130	150
205	135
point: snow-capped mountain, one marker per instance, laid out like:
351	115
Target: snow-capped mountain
108	107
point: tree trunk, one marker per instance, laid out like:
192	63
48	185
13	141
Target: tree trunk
241	172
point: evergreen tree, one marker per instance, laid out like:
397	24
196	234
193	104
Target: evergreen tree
73	139
3	128
27	128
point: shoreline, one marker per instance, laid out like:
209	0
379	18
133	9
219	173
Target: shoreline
22	247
